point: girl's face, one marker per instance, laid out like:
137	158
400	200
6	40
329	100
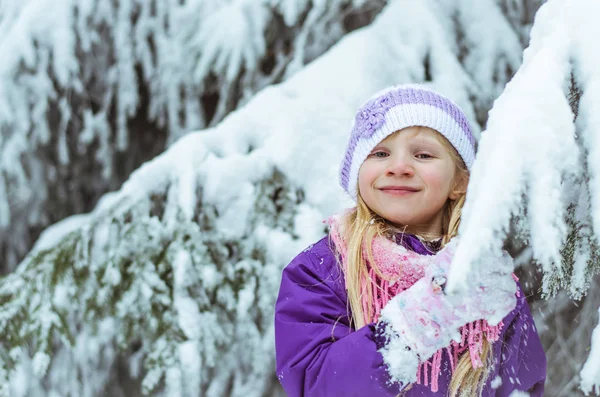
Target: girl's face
408	178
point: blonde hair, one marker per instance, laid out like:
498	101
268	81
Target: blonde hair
360	226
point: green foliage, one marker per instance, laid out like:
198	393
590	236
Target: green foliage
166	281
580	259
580	251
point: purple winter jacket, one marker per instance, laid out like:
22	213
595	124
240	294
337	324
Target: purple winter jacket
319	354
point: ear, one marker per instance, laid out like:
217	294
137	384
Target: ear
460	187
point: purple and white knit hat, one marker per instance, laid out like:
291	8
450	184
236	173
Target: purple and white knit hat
400	107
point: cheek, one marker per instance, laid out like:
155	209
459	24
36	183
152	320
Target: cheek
440	181
434	178
366	175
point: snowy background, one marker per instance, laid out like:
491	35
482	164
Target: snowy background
161	161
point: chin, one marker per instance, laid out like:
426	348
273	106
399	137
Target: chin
400	222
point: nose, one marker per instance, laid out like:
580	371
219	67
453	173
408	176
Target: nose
400	166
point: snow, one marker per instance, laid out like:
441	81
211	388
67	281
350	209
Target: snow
518	393
232	38
41	361
55	233
74	70
483	21
547	154
278	127
189	317
496	382
173	380
191	366
590	373
299	129
534	115
281	123
18	384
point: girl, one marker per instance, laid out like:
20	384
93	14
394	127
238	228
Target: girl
363	311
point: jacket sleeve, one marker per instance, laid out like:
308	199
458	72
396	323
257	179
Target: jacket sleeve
317	352
523	365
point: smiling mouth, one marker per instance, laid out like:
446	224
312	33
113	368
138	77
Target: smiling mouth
399	191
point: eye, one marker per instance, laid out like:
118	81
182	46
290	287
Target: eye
424	156
379	154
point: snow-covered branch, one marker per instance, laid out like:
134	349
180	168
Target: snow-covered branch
539	158
591	370
180	267
90	89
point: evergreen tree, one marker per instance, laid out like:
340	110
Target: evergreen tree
167	287
91	89
537	175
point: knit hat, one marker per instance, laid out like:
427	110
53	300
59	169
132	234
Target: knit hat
396	108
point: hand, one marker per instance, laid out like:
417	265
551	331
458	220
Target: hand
423	319
490	290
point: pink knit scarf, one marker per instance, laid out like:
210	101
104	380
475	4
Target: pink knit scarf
401	268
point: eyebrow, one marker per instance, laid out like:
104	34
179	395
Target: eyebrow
428	142
426	137
380	146
416	140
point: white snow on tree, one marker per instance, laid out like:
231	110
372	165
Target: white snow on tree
539	162
178	270
520	15
90	89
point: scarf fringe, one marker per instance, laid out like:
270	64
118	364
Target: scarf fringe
472	334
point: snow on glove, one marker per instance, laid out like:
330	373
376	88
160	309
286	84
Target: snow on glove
423	319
